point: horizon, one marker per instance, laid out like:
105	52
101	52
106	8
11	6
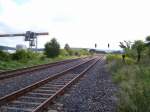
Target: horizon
106	50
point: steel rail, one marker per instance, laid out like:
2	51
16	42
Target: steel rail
45	104
16	94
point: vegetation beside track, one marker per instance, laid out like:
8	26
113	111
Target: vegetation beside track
133	80
15	64
27	58
21	59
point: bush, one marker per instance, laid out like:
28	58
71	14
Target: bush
134	89
23	55
19	55
133	81
52	48
118	58
77	53
43	57
63	52
84	52
68	49
4	56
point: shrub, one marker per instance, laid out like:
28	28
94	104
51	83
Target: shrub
84	52
133	81
4	56
23	55
63	52
52	48
19	55
68	49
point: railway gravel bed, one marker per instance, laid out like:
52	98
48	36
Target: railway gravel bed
61	82
95	92
15	83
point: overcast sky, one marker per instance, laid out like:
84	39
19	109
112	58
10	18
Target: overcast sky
80	23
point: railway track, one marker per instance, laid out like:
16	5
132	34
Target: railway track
36	97
17	72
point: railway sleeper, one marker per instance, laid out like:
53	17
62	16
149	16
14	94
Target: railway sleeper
20	105
44	91
28	99
39	95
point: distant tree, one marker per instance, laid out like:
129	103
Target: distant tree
68	49
139	47
52	48
125	44
148	44
148	38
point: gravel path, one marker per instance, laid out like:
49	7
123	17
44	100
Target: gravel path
94	93
12	84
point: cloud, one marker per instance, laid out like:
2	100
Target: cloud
1	9
4	28
21	2
81	23
61	19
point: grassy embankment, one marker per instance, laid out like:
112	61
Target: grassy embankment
23	59
12	64
133	80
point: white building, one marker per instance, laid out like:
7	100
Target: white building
20	47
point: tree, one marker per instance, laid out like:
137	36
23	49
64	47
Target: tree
139	47
68	49
148	38
125	45
148	44
52	48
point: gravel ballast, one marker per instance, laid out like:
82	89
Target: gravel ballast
12	84
95	92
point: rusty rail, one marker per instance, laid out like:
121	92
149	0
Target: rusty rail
49	100
22	91
57	77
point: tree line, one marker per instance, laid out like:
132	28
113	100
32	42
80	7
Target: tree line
136	49
51	50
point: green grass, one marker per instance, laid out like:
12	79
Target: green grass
133	81
11	64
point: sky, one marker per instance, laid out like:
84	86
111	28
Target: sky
80	23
